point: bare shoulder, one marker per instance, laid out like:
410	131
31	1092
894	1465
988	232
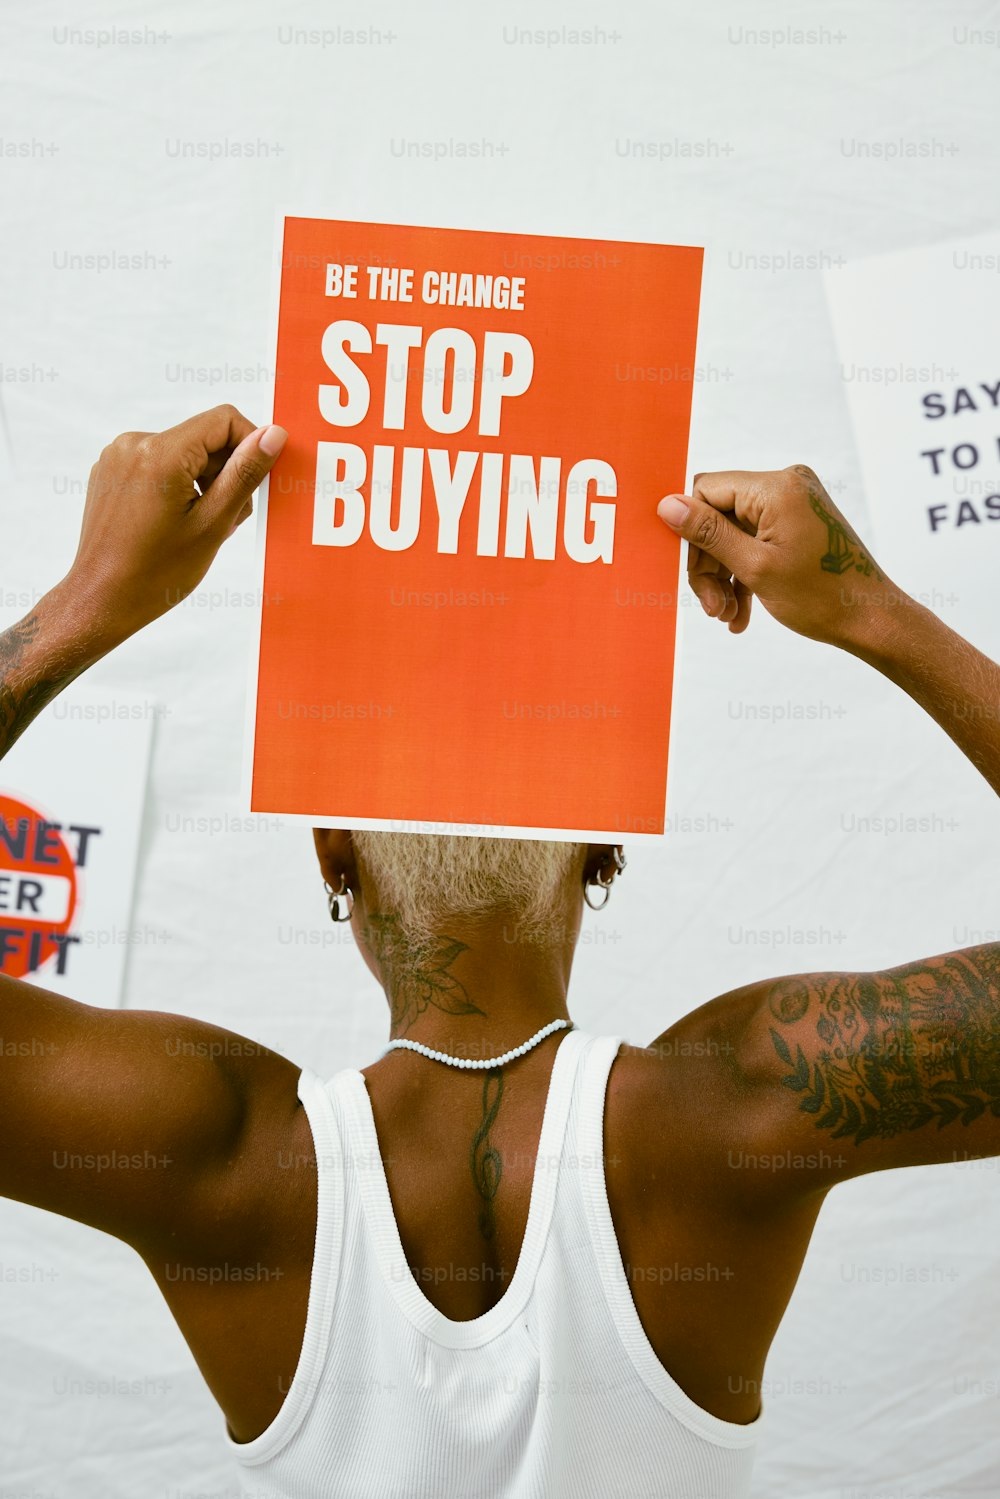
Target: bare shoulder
242	1194
137	1122
824	1076
272	1161
679	1105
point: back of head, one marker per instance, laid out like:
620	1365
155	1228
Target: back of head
427	879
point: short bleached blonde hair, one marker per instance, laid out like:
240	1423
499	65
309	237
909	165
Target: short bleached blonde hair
425	879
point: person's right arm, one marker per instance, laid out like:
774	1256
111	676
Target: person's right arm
841	1073
956	684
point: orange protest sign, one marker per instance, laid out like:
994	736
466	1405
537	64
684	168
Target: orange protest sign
469	602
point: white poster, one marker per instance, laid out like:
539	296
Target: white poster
71	798
920	359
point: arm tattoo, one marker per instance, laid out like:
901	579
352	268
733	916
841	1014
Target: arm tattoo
487	1167
19	704
417	977
844	548
898	1050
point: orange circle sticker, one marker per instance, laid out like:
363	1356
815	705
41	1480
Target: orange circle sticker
38	890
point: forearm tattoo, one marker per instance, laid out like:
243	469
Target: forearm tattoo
899	1050
20	702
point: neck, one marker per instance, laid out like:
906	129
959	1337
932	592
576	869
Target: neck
477	991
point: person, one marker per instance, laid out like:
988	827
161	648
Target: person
509	1257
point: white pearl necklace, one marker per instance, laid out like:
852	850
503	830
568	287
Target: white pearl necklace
508	1056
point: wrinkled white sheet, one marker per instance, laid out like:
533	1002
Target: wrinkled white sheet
884	1377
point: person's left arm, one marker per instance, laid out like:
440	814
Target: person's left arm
134	1122
831	1075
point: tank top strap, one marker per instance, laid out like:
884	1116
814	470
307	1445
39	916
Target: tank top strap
314	1096
585	1133
593	1084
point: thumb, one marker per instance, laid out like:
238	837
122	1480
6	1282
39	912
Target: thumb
231	491
713	532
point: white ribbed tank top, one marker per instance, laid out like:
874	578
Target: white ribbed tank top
554	1393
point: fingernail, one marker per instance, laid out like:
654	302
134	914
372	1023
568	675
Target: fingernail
272	440
673	509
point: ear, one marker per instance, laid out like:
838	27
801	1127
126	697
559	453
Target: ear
600	856
335	852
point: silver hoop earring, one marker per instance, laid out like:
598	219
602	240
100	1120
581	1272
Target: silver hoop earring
334	897
607	895
618	854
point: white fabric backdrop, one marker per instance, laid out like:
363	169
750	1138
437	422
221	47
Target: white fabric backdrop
884	1377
